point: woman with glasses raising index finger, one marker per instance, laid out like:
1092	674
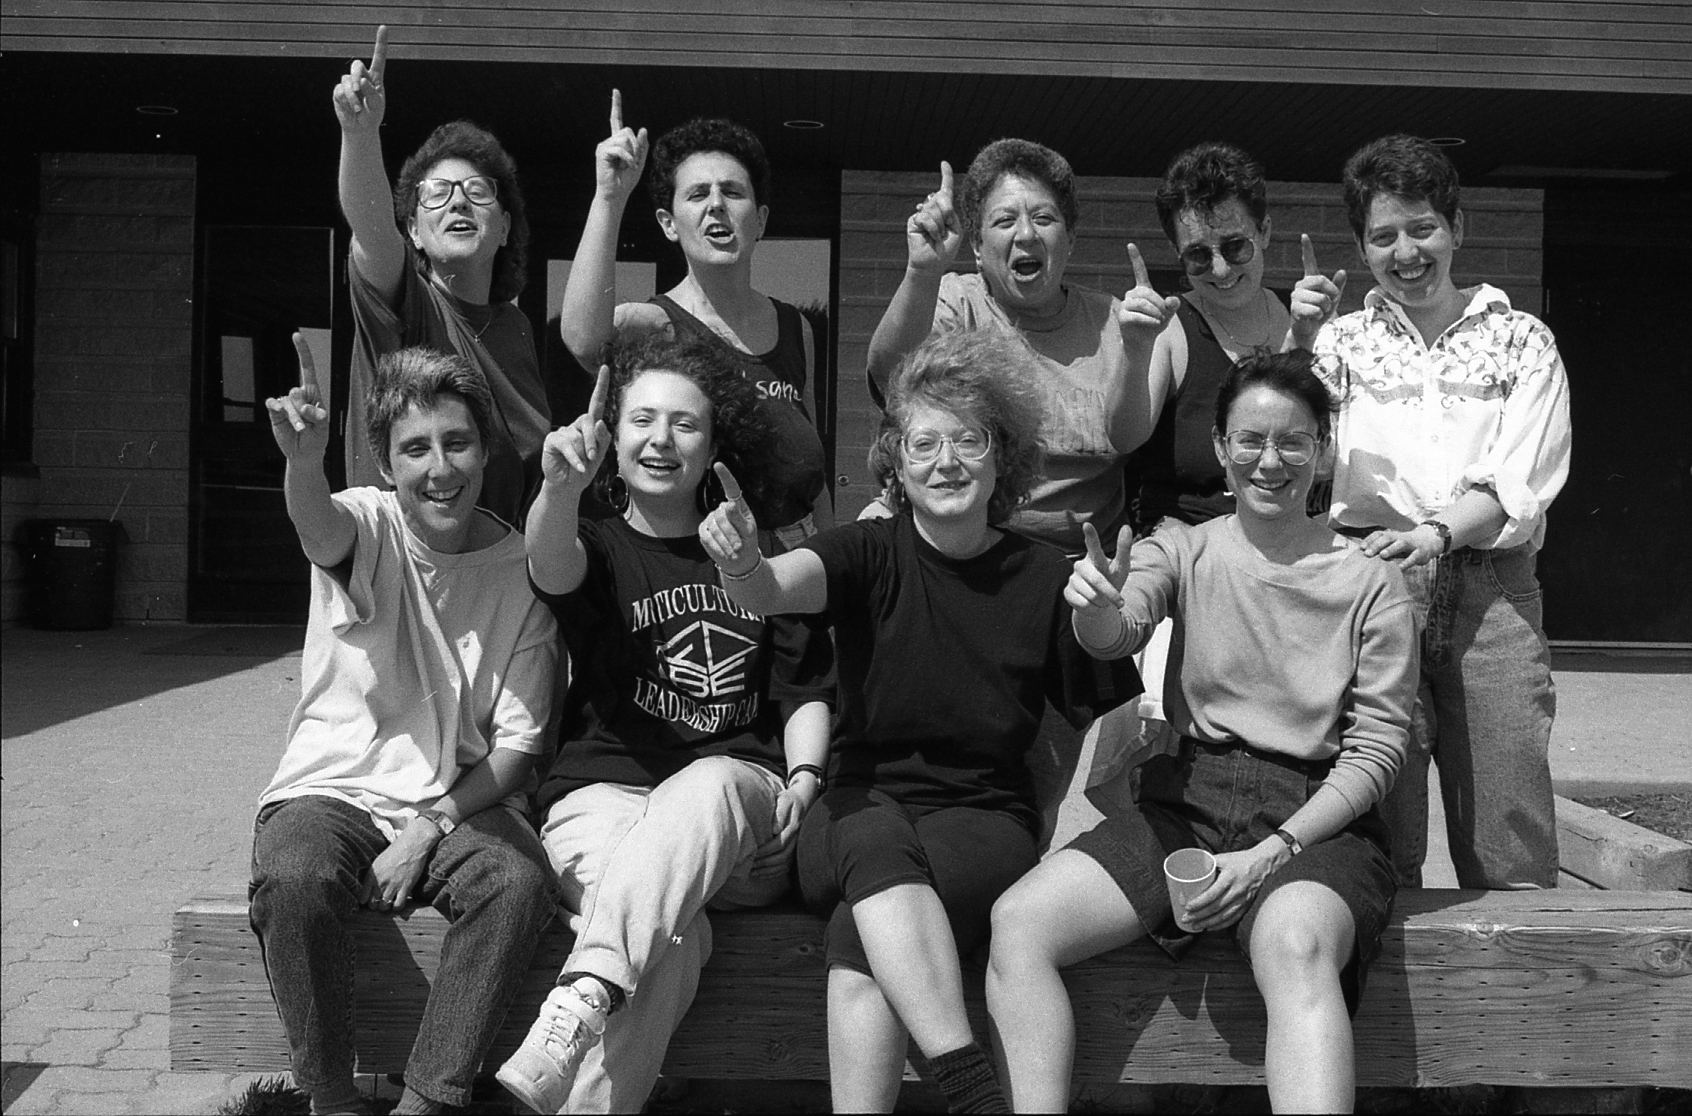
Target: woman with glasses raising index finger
437	261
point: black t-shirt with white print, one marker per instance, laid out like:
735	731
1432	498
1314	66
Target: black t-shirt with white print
946	665
665	669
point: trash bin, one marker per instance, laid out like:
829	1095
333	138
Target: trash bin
72	571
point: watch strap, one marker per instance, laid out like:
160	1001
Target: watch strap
1444	535
1293	843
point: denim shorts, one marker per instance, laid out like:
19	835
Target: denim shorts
1225	798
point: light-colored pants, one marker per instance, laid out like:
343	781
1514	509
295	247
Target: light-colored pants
638	865
1483	715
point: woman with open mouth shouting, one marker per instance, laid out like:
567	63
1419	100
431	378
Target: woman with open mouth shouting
1017	205
437	262
710	183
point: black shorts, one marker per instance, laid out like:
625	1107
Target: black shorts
1225	798
856	842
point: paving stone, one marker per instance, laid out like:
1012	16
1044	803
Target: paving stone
67	993
31	1025
65	1047
191	1092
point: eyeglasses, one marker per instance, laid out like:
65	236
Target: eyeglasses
970	444
1236	250
1246	446
479	189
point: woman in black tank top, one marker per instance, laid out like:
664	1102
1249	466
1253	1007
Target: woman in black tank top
709	182
1212	207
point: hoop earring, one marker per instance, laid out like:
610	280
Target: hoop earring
614	490
710	492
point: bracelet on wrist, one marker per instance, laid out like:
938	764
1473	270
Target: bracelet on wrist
813	769
726	576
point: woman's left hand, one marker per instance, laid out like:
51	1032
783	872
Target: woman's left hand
1239	875
1415	547
775	856
1143	312
730	531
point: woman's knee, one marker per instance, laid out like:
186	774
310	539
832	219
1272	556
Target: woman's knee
1300	937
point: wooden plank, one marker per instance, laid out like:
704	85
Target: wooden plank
1575	988
1614	853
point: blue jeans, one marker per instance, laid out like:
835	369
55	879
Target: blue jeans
1483	715
490	878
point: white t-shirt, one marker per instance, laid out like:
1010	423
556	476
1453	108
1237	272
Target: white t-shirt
416	665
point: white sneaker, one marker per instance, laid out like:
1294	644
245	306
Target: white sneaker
542	1070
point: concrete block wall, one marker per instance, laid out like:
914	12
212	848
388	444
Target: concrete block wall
20	499
1503	245
113	351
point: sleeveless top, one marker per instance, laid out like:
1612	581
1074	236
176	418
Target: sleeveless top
1179	476
800	471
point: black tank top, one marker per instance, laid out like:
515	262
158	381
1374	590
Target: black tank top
800	472
1179	476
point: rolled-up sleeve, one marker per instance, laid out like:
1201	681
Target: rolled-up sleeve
1528	461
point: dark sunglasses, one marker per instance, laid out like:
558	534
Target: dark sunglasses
1238	250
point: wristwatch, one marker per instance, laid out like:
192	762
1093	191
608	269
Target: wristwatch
1293	843
439	819
1444	535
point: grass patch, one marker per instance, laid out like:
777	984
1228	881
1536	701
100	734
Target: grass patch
1668	814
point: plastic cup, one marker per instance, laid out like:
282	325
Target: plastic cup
1188	872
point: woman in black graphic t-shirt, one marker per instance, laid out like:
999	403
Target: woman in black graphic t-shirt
693	734
952	636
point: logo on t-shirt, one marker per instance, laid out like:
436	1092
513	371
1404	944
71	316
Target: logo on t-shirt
707	660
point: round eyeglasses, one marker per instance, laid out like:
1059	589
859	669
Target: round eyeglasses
970	444
1236	250
1246	446
479	189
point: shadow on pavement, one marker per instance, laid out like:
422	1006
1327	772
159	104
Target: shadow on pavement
54	677
15	1077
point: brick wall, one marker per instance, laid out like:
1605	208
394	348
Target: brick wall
113	341
1502	246
20	499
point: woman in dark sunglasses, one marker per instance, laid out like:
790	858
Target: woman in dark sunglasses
1212	207
438	261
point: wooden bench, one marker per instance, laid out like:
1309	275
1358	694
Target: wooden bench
1549	988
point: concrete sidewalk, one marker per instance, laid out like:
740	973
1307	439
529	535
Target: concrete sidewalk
131	761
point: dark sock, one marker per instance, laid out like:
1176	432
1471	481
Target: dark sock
613	992
966	1077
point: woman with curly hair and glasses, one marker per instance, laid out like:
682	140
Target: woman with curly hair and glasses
437	261
952	635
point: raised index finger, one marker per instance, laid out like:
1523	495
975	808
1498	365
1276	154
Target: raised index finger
379	57
308	366
731	487
1141	279
601	392
1309	249
616	111
946	179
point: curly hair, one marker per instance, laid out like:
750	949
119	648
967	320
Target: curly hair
742	436
419	377
1023	159
676	145
478	147
1408	167
980	375
1203	177
1288	373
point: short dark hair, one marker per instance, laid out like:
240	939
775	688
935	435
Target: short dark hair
1408	167
1024	159
418	377
1288	373
741	432
1203	177
478	147
985	376
675	146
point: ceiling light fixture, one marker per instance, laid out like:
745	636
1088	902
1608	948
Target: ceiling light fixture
802	125
1448	141
155	110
